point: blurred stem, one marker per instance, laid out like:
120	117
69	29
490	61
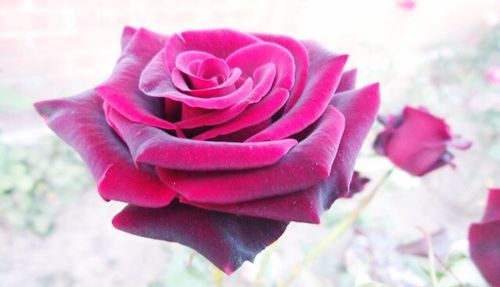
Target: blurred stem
336	231
440	261
430	256
263	264
218	276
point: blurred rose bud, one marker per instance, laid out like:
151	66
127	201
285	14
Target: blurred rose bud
493	75
407	4
417	141
484	240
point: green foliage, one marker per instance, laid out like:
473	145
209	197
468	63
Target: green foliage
35	180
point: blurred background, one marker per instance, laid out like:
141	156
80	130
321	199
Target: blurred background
444	54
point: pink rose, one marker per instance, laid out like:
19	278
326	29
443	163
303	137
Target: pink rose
218	139
417	142
484	240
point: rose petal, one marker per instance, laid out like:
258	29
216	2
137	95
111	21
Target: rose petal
419	143
359	108
485	249
325	72
81	123
253	115
484	239
263	76
121	90
219	43
249	58
154	146
357	184
156	81
127	34
217	103
224	239
301	59
306	164
347	81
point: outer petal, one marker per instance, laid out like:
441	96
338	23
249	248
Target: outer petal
81	123
121	90
224	239
359	108
347	81
301	59
127	34
484	244
154	146
305	165
358	183
492	212
325	71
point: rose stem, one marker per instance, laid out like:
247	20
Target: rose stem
430	256
336	231
263	264
218	276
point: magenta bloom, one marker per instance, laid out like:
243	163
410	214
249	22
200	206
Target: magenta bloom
484	240
218	139
416	141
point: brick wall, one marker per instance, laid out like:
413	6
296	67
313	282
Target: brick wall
51	48
55	48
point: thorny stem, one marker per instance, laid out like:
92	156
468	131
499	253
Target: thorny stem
336	231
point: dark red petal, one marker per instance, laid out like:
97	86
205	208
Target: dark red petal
154	146
298	206
492	212
347	81
484	245
121	90
360	108
484	239
219	42
419	142
226	240
324	75
301	59
358	183
253	115
81	123
303	166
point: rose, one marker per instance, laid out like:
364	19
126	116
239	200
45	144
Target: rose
416	141
484	240
217	139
